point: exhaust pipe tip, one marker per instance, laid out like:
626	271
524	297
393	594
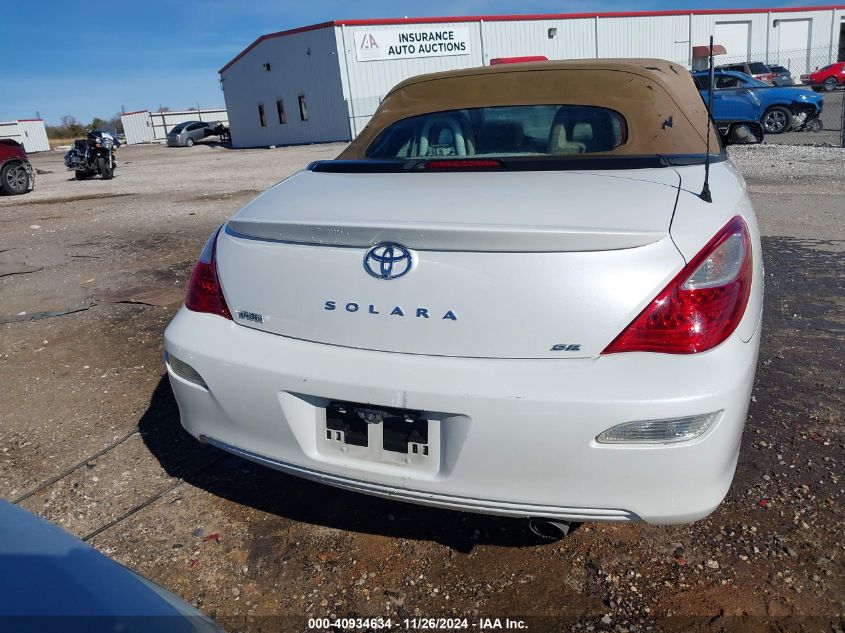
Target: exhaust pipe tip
549	530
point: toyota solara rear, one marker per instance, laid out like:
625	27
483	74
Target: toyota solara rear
507	295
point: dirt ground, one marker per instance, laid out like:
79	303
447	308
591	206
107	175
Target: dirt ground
90	435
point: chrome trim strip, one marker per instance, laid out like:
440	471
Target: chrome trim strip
429	498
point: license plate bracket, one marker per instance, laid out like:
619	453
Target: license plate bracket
343	418
395	430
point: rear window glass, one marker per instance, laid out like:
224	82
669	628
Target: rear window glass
525	130
758	68
178	128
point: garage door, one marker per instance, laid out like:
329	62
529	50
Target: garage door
793	37
736	38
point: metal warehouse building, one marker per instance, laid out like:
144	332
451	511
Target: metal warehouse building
323	82
31	133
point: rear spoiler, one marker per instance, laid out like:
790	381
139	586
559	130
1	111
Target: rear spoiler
579	163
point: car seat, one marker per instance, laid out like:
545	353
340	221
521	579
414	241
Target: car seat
559	136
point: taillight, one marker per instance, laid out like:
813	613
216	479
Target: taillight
702	305
204	291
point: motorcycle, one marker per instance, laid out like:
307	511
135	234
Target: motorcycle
93	155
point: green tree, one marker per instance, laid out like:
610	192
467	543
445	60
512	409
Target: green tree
116	123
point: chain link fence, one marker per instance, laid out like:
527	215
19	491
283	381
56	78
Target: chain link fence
801	99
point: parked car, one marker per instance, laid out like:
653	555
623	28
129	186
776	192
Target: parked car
52	581
782	76
538	315
187	133
758	70
828	78
778	108
16	173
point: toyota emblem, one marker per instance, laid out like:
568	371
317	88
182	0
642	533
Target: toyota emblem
388	260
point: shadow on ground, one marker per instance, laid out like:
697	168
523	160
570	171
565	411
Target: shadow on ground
294	499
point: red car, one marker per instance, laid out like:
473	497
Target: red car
16	174
827	78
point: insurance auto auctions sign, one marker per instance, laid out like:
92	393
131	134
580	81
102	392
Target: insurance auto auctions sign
406	43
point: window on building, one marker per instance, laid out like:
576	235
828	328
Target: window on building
303	109
280	110
262	119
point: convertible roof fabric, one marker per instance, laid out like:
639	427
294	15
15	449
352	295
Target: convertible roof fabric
664	110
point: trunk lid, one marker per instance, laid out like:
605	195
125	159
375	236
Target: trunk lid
535	264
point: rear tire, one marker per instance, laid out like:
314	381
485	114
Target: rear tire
830	84
777	120
105	168
14	179
189	142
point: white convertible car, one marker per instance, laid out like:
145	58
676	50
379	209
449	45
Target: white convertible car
508	295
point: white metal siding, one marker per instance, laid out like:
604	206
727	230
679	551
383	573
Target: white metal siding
31	133
664	37
301	63
34	135
368	81
343	92
10	129
703	26
572	39
137	127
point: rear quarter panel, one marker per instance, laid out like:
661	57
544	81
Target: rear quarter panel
696	222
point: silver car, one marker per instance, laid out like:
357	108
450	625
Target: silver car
187	133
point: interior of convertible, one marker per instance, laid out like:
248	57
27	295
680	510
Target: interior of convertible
503	131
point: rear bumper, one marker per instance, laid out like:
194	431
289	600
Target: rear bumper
516	437
174	142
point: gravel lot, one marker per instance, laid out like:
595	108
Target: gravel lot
90	437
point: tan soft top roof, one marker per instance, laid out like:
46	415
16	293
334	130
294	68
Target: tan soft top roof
659	100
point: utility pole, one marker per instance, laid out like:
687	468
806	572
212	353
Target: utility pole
842	122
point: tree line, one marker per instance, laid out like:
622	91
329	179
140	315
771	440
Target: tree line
71	128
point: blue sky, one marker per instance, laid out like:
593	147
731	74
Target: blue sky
143	54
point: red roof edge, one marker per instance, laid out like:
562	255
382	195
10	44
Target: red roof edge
134	112
515	17
25	120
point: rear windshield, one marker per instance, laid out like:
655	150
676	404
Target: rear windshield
178	128
758	68
502	131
